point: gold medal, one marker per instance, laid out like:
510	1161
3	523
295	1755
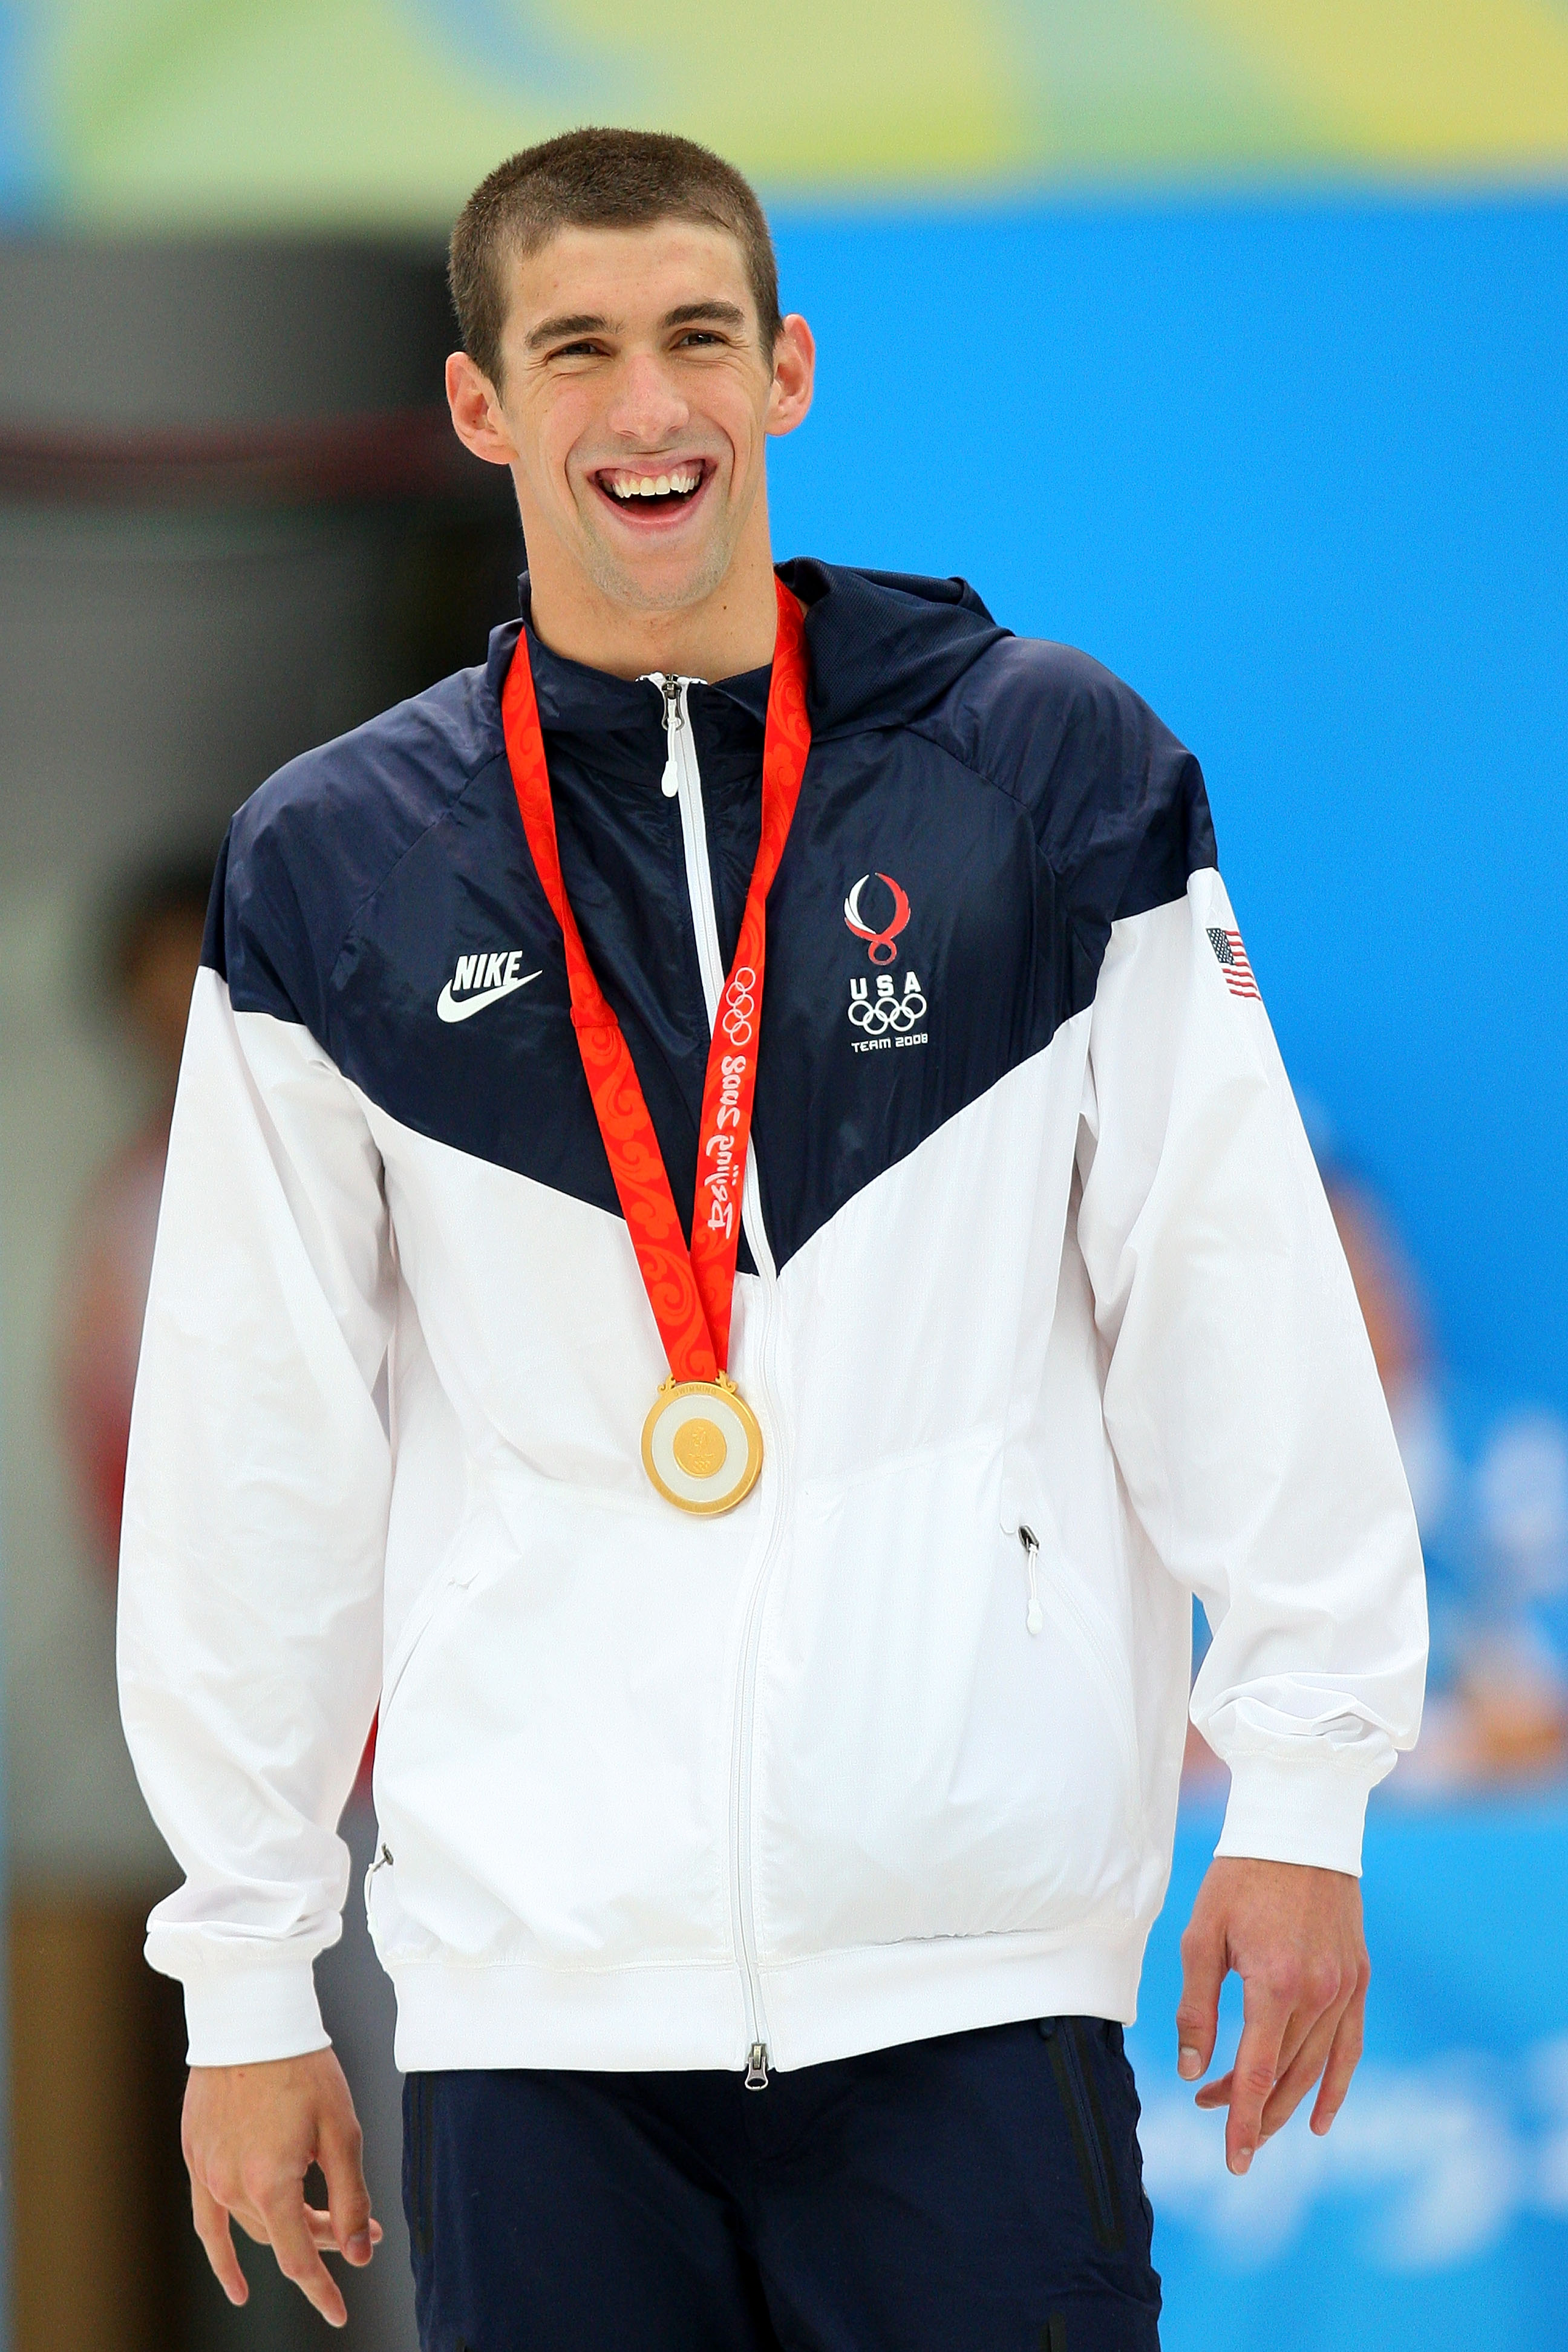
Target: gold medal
703	1445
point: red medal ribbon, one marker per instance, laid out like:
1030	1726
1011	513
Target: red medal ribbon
691	1291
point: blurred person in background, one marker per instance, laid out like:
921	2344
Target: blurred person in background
1489	1478
153	950
153	953
880	1841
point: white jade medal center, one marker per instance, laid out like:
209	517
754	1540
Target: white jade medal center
702	1445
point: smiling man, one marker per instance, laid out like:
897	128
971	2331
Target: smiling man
736	1248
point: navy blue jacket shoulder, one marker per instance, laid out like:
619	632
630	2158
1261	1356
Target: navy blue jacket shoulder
1010	797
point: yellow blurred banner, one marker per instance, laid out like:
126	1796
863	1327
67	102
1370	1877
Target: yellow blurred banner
384	112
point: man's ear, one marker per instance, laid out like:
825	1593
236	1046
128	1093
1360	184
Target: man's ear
476	418
795	375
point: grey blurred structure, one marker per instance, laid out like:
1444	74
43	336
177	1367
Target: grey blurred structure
233	523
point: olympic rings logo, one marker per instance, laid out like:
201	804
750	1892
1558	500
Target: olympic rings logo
740	1006
877	1014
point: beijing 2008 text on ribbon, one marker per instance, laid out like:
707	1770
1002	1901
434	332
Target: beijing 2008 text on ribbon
701	1445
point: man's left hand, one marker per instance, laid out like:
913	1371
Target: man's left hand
1294	1937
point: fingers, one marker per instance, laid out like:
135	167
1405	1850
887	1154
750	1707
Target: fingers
1217	2093
340	2153
1298	2073
1311	2006
1197	2013
1343	2057
281	2205
324	2234
212	2228
318	2221
1266	2017
1326	2041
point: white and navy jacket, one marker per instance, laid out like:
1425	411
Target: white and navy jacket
1040	1308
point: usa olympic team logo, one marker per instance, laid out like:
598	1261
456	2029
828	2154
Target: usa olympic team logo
880	949
881	1015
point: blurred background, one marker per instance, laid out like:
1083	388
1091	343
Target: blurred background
1226	338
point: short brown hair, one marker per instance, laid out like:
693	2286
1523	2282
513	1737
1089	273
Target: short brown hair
598	179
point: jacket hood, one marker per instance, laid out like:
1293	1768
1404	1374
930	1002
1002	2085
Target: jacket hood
884	646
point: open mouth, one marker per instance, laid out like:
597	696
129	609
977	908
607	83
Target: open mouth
653	494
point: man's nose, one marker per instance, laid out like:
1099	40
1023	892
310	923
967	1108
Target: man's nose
645	406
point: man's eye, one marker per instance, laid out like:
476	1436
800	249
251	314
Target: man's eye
576	351
701	335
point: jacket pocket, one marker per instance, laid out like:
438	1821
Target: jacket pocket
460	1563
1053	1594
544	1800
1072	2064
926	1770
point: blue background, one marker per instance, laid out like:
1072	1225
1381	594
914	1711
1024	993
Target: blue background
1432	2214
1297	470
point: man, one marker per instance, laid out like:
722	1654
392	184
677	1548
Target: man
779	1618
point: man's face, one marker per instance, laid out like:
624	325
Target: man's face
637	399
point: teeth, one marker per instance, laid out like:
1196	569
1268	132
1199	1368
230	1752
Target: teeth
654	486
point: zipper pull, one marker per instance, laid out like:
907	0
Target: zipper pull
757	2067
382	1859
1036	1617
673	722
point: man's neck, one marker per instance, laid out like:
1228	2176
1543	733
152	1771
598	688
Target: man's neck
729	632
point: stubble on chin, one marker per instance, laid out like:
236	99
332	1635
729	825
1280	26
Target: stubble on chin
619	584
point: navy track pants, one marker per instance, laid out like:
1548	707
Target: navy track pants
979	2192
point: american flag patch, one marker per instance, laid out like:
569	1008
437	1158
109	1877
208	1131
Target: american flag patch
1235	970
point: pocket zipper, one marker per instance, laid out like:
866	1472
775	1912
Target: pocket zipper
381	1861
1085	2124
1035	1616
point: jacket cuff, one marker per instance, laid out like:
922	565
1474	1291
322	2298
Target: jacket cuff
1307	1811
243	2007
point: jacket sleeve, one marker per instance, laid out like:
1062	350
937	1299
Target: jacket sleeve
255	1522
1240	1393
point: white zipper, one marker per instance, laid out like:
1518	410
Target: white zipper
683	782
757	2056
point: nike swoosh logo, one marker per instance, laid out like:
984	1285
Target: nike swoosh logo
460	1009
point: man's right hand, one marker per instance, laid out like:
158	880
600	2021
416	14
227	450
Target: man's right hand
250	2134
